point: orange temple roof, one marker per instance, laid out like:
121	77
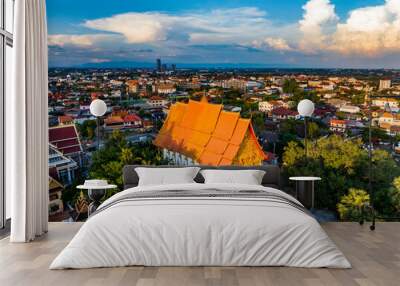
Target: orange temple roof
205	133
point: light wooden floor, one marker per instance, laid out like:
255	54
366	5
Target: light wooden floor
375	257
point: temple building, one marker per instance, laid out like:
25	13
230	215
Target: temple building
203	133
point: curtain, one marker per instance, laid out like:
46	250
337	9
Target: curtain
27	124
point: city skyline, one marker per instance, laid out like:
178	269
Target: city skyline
300	34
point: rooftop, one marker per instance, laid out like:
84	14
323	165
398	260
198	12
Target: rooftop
206	133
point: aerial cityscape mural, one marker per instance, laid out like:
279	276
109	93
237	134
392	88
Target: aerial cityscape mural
215	83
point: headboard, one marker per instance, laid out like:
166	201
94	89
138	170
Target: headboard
272	177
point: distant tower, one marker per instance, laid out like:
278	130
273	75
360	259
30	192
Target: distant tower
173	67
159	65
163	67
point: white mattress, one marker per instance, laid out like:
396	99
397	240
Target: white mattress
200	232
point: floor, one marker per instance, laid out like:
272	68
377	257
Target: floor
375	257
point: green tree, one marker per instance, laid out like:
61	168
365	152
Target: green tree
108	162
394	194
376	134
87	129
342	164
313	130
351	204
290	86
258	122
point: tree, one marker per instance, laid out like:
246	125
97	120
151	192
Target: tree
376	134
108	162
258	122
313	130
351	205
394	194
87	129
290	86
342	164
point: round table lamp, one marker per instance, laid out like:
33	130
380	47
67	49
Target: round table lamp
98	108
306	109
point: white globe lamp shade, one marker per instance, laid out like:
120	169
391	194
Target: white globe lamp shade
306	108
98	107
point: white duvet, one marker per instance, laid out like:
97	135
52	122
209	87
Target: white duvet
200	231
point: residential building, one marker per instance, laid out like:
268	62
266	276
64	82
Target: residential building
114	122
234	83
132	86
133	120
350	109
338	126
385	102
268	106
123	121
282	113
166	88
65	120
385	84
157	101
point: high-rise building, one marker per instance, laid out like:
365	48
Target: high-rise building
163	67
173	67
385	84
159	65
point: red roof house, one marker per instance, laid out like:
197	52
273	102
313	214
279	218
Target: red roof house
133	120
66	139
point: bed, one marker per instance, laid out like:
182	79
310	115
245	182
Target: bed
198	224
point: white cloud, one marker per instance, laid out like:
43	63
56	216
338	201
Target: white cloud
135	27
90	40
274	43
237	25
318	18
370	30
367	31
278	44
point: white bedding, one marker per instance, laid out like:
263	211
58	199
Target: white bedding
200	231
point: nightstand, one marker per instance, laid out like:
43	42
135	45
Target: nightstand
96	191
305	190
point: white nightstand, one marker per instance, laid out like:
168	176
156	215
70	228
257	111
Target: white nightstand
301	186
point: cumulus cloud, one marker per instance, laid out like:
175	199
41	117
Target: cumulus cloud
367	31
62	40
370	30
318	18
278	44
136	27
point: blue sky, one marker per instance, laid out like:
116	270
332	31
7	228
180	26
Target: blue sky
298	33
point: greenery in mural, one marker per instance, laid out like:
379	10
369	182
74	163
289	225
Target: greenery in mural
351	205
107	163
343	165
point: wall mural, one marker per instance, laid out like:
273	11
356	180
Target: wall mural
216	86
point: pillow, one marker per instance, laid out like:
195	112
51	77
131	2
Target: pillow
166	176
248	177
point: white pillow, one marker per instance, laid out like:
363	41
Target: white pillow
248	177
166	176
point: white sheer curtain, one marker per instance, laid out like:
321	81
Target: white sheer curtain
27	122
